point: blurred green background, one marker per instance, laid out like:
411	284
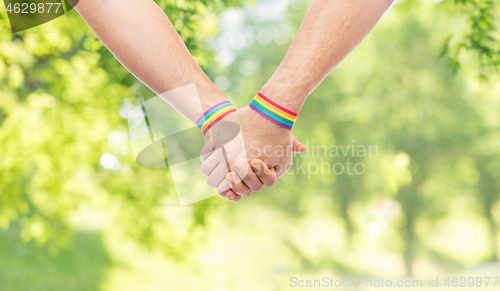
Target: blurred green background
77	213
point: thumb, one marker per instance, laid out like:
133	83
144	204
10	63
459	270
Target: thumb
298	147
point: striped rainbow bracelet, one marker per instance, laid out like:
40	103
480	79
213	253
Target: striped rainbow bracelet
215	114
272	111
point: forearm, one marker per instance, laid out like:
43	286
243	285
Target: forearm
143	39
329	32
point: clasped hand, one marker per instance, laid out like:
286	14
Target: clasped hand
267	147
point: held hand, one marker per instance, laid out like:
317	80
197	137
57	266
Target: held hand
263	140
258	175
266	140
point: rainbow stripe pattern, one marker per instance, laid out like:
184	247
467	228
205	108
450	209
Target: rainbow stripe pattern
272	111
215	114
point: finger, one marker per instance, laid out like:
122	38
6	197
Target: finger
246	173
237	186
280	169
266	175
217	176
298	147
206	152
211	163
231	196
216	136
225	192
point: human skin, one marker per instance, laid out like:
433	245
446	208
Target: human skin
142	38
268	157
330	30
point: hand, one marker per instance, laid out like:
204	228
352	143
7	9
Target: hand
265	140
262	140
258	175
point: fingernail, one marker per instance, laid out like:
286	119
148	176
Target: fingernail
257	167
231	197
229	179
241	166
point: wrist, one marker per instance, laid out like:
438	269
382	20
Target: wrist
193	100
290	96
209	97
273	111
213	115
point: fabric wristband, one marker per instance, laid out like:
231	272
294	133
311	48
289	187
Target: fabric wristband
215	114
272	111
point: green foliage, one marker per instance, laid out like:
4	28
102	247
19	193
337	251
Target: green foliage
61	94
82	267
394	92
63	98
480	37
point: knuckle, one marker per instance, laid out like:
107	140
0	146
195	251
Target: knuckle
257	187
241	190
269	183
223	193
238	188
246	193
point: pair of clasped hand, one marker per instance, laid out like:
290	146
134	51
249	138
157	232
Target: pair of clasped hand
257	151
244	152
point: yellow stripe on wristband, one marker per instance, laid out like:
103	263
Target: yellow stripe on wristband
273	111
214	115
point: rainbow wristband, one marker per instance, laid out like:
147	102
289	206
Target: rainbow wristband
272	111
215	114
